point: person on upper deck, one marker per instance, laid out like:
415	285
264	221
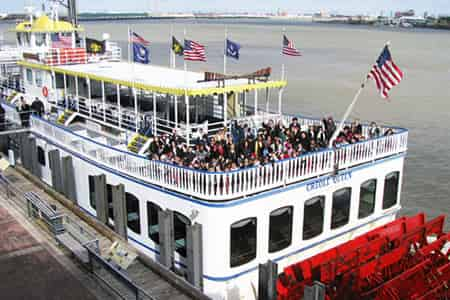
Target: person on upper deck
241	149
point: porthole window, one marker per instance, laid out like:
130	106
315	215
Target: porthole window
153	221
367	196
313	216
390	196
280	229
340	215
41	156
133	215
180	223
243	242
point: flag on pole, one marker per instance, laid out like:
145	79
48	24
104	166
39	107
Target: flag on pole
95	46
141	53
194	51
289	48
232	49
61	41
137	39
177	48
385	73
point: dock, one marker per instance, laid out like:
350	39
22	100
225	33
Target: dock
138	281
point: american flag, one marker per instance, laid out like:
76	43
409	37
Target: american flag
385	73
61	41
289	48
194	51
136	38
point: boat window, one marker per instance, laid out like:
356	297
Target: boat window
313	216
30	76
280	229
390	196
109	197
59	79
19	39
38	78
40	39
153	221
133	216
243	242
41	156
27	36
367	196
180	223
341	207
92	199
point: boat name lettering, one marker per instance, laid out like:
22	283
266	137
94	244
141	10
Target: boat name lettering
324	182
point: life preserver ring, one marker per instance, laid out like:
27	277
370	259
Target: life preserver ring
45	91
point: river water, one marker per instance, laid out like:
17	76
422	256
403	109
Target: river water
323	81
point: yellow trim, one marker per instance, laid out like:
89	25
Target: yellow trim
45	24
160	89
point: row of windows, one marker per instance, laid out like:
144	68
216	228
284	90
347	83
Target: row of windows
243	234
180	221
40	39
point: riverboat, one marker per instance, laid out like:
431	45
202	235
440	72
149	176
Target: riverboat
92	137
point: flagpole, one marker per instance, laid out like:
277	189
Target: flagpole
283	66
347	114
349	109
186	97
225	96
172	53
225	52
129	43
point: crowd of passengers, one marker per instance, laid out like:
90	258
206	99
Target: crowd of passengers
244	147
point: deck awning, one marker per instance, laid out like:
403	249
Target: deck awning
156	79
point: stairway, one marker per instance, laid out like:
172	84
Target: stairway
62	119
137	142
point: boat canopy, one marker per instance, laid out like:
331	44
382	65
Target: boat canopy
155	78
44	24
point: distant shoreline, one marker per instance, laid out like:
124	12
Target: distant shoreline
99	17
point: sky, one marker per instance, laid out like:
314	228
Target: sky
293	6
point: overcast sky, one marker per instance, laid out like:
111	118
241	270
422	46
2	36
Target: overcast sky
341	6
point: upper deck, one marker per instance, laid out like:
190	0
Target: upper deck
229	185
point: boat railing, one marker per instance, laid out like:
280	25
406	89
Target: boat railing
222	186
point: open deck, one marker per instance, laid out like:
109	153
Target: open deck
223	186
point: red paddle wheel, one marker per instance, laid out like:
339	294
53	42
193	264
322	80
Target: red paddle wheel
408	259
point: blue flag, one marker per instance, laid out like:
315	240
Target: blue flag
141	54
232	49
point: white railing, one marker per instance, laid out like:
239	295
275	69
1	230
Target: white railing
222	186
